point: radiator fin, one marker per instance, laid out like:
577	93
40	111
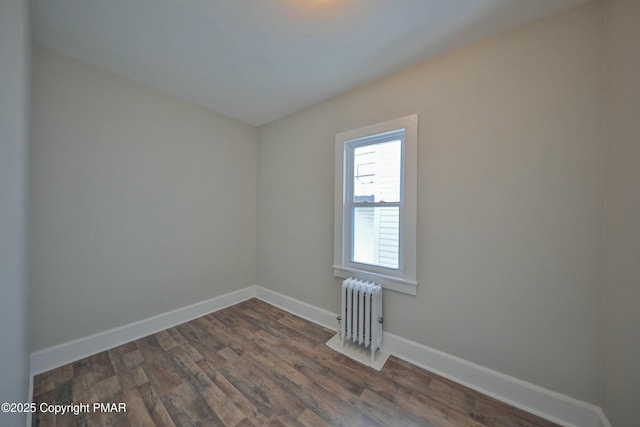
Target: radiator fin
361	320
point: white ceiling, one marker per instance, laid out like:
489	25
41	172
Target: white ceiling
259	60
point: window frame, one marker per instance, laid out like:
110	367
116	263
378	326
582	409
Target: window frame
404	278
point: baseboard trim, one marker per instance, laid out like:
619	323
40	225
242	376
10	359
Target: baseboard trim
310	312
537	400
604	421
59	355
545	403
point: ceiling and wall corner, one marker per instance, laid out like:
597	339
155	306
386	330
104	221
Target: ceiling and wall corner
259	60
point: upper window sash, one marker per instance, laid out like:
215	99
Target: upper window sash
349	153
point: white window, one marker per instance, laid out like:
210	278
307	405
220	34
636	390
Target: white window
375	204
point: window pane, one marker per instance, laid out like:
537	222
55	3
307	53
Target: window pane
376	235
376	172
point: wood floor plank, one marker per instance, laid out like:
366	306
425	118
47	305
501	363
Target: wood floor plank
178	338
389	414
104	390
253	364
155	407
308	418
266	311
159	367
137	410
44	418
44	383
308	366
165	339
259	386
81	385
234	396
100	366
335	408
139	376
210	392
133	359
238	339
124	374
320	335
188	408
397	370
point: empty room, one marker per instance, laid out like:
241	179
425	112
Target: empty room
320	212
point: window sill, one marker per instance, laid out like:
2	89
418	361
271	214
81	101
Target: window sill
387	282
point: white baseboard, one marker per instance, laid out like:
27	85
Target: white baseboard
546	403
59	355
537	400
604	421
306	311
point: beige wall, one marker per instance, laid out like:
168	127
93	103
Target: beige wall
511	190
622	350
141	202
15	45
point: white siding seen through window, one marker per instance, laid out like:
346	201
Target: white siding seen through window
375	203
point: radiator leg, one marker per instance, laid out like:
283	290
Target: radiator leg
343	313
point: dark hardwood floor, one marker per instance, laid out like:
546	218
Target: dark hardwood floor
252	365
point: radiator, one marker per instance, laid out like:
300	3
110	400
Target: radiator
361	315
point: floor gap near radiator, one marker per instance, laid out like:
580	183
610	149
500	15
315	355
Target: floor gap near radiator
359	353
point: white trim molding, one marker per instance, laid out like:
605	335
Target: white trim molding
537	400
59	355
393	283
534	399
310	312
404	278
